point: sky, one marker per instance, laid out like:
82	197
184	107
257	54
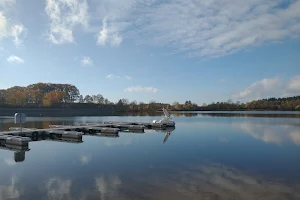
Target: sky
164	50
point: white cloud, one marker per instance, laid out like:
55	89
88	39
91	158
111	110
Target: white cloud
18	32
108	35
6	4
260	89
128	78
116	39
112	76
294	84
10	30
15	59
64	16
140	89
200	28
102	37
270	87
3	24
109	76
86	61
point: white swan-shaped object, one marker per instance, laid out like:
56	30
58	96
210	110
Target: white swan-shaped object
164	121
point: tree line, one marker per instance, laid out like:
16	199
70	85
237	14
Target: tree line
68	96
47	95
288	104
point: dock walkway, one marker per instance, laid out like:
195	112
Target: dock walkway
17	139
106	127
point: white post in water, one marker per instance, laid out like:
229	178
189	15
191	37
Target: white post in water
20	118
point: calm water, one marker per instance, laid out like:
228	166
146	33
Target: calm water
208	156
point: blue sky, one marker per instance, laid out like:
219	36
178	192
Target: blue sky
144	50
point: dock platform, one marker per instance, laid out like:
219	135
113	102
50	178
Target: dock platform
17	139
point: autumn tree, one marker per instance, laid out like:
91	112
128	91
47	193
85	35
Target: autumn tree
33	97
16	98
54	97
71	92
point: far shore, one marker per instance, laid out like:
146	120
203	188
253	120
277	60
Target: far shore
40	112
67	112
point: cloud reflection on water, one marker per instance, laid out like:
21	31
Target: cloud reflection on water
203	181
118	142
108	187
10	161
200	181
85	159
276	134
58	189
11	191
215	181
295	136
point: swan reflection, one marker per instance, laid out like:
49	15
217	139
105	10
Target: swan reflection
166	130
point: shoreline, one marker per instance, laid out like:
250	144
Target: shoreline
67	112
53	112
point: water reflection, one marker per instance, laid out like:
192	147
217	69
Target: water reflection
273	114
108	187
276	134
85	159
204	158
217	181
11	190
295	136
124	142
185	114
58	189
166	136
19	156
201	181
166	130
20	151
253	114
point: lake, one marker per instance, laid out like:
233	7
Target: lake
208	155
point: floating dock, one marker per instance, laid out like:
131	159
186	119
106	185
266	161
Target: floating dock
17	138
70	131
